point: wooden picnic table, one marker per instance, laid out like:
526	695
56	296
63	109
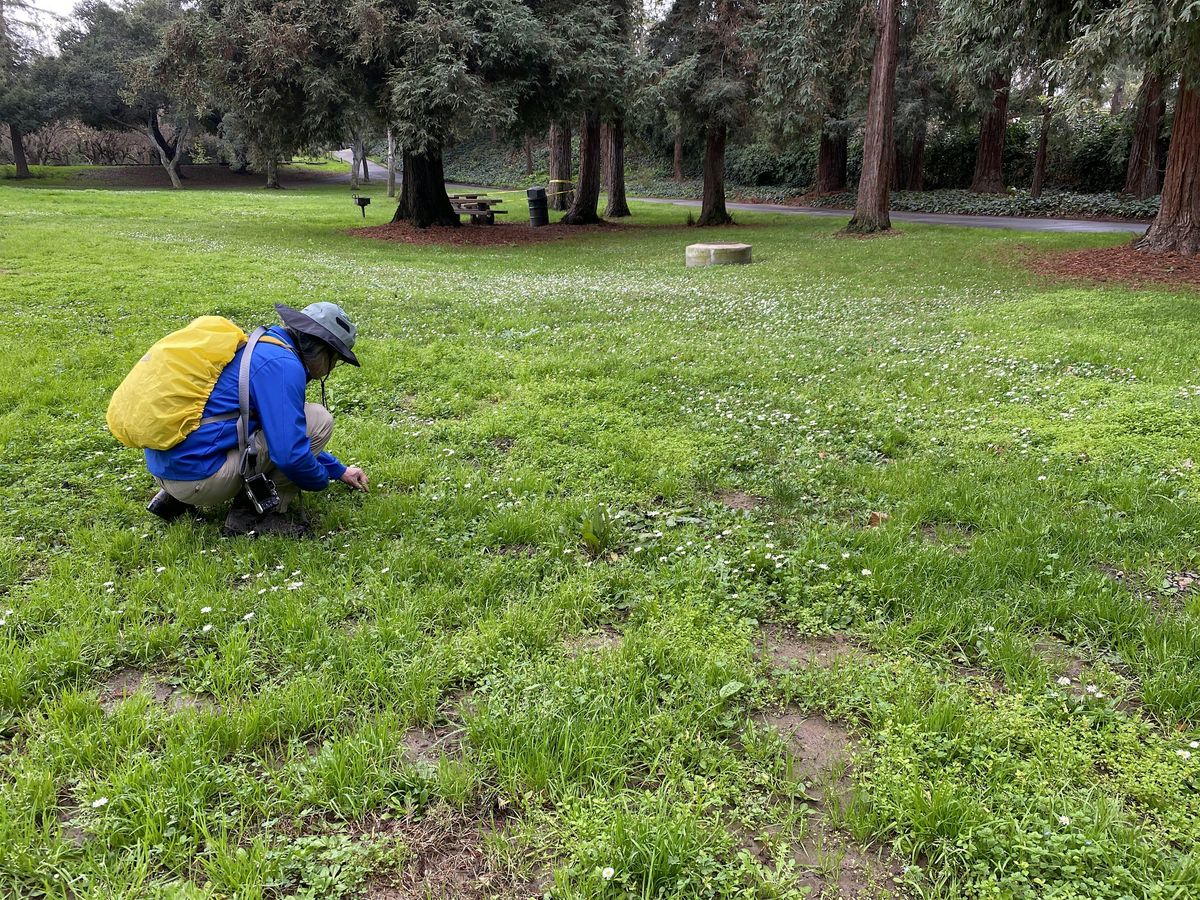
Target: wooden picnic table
480	207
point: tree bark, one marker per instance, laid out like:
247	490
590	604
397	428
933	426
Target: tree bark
366	166
423	200
355	159
618	205
559	189
677	161
605	150
169	154
18	148
989	159
1118	97
391	163
1039	162
273	172
1176	228
871	210
1142	173
712	206
587	189
831	161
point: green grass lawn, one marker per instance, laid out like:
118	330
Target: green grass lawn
547	648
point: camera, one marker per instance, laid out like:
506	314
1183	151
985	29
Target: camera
261	491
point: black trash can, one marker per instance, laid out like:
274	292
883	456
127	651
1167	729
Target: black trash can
539	213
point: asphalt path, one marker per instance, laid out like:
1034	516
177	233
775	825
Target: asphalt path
1016	223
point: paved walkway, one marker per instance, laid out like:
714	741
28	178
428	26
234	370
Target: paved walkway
1017	223
374	170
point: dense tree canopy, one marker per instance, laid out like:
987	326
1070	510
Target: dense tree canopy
867	84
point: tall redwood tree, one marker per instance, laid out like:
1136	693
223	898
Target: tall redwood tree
1143	175
871	209
1176	228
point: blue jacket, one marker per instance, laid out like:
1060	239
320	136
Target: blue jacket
277	381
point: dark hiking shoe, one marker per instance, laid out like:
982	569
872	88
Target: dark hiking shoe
167	507
243	519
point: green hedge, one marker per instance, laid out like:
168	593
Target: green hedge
1060	204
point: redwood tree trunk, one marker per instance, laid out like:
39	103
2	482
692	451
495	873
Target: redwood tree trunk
1039	162
559	188
678	157
1176	228
989	159
1141	176
587	190
712	208
272	173
874	198
831	161
618	206
18	148
423	200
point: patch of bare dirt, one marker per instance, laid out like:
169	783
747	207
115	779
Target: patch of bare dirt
502	234
445	857
427	744
1174	587
503	444
735	499
1119	265
834	866
953	536
126	682
784	649
607	638
69	813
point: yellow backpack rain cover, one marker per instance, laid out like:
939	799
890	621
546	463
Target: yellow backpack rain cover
161	401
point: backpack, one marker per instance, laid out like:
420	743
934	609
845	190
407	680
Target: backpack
162	399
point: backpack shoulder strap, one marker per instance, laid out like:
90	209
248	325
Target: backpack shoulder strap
245	450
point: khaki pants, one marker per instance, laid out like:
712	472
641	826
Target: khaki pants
224	484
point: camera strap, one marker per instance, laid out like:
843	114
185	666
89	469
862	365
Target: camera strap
246	452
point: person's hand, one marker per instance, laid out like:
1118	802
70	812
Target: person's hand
356	478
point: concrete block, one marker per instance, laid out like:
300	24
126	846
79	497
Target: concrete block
718	254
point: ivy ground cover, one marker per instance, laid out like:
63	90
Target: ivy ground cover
868	569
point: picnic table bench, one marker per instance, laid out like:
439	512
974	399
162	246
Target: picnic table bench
480	207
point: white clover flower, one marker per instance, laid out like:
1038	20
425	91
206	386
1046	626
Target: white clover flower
207	628
158	570
1184	754
1064	820
866	572
295	585
99	802
608	873
247	617
205	610
845	556
1064	681
1195	745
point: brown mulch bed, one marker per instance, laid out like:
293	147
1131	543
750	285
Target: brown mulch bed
502	234
1119	265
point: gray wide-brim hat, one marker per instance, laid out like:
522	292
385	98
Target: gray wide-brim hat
326	322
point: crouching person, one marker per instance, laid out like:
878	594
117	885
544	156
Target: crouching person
251	439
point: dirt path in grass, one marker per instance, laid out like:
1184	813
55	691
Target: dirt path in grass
835	866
